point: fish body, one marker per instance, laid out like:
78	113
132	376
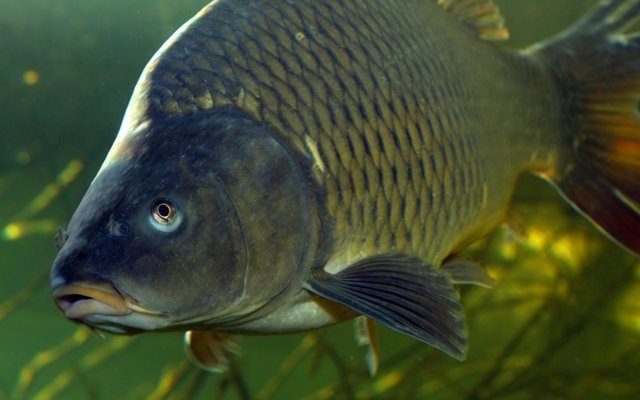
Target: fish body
407	140
286	165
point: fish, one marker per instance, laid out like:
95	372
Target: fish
283	166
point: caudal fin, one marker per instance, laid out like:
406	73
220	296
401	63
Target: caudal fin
598	67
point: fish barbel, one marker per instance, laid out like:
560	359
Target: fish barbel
286	165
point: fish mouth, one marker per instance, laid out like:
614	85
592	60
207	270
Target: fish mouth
80	301
105	308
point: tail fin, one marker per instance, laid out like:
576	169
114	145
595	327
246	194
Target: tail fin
598	68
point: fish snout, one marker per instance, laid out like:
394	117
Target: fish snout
82	301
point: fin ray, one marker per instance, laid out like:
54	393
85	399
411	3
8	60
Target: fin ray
481	15
210	351
465	272
599	69
366	335
402	293
610	16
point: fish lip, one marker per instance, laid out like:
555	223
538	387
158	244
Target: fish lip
78	301
104	307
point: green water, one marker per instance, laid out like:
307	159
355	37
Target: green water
563	321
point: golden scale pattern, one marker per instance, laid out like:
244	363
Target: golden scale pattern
395	167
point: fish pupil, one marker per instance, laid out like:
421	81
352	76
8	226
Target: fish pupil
164	212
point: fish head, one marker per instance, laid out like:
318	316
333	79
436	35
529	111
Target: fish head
190	222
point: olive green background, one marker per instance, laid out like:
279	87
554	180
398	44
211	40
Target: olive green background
562	322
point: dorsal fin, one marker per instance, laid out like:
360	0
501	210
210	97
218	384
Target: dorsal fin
481	15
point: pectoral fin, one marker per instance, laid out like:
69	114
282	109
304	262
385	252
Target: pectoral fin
402	293
210	350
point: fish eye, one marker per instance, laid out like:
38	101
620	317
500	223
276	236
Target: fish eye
165	216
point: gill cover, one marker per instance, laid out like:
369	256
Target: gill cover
266	185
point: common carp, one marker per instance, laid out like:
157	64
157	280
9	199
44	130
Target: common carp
287	165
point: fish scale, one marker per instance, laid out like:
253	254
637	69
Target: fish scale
325	77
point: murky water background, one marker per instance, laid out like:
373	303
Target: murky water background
563	321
